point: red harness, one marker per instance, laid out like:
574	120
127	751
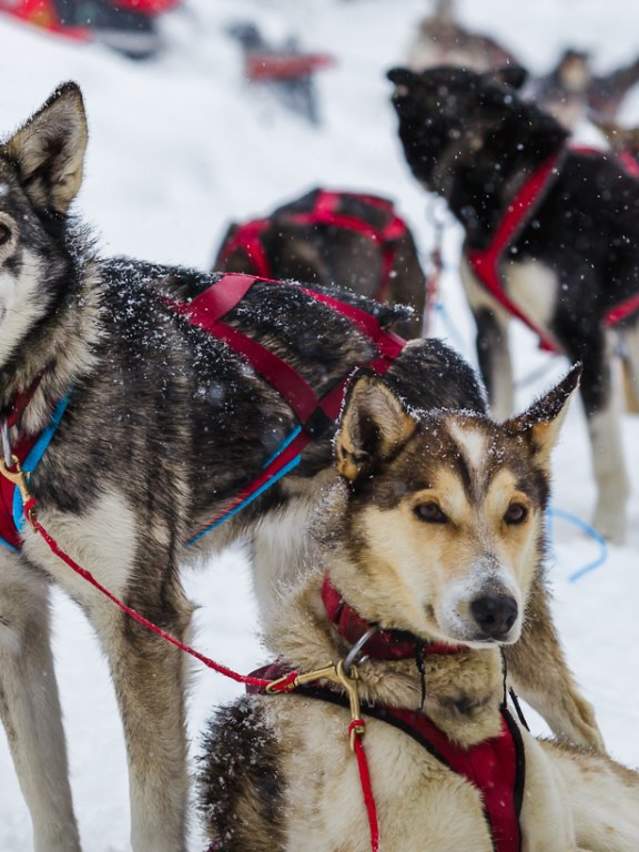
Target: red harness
315	414
486	263
335	209
496	767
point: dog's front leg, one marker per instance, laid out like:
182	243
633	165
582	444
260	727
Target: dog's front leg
149	677
30	707
539	672
493	352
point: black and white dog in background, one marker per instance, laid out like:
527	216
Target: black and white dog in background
470	138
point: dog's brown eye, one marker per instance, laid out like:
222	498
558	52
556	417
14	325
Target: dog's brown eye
5	234
431	513
516	513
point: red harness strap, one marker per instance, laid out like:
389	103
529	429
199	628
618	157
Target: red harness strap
629	163
495	767
205	310
8	530
314	413
327	210
248	239
486	263
21	450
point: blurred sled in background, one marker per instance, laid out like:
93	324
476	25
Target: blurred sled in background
286	70
128	26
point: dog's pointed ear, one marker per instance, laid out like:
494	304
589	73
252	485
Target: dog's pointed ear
49	150
513	76
373	425
542	422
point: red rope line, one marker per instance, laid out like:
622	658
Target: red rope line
356	728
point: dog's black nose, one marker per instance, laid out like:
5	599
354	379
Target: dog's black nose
495	614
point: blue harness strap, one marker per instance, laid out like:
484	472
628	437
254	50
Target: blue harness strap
29	464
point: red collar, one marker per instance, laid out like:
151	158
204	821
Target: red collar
383	645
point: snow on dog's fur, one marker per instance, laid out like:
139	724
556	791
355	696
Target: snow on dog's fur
434	513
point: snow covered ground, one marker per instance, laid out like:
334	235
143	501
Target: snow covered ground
180	146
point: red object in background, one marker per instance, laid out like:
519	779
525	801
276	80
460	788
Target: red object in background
278	66
43	13
147	7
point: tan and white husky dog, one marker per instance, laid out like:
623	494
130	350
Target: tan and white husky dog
435	529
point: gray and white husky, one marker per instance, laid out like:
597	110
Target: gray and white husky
164	423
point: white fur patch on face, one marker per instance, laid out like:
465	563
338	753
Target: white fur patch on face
472	442
485	576
19	307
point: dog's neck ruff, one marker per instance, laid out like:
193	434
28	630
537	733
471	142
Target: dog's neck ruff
383	644
486	263
343	210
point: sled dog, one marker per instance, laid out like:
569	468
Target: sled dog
433	533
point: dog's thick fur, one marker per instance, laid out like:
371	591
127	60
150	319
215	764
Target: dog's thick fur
164	424
470	138
326	255
276	771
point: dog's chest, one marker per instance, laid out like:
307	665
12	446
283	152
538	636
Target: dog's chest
534	288
416	795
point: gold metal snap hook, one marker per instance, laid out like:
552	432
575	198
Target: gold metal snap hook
16	476
349	682
335	673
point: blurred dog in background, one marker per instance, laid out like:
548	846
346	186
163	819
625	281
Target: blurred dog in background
571	269
326	237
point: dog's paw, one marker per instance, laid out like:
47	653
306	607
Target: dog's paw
612	525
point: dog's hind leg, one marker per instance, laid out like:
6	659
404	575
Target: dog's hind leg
602	399
493	352
30	707
149	677
539	672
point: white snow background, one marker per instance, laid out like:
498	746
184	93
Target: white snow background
179	146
